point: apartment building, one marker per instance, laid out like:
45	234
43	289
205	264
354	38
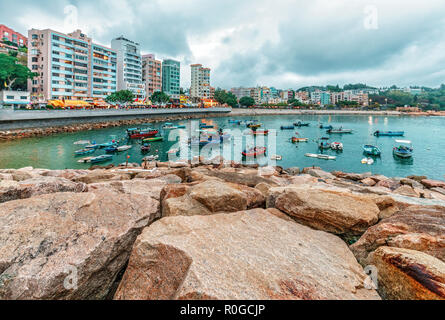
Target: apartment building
200	82
129	66
151	74
171	78
69	66
241	92
8	34
320	97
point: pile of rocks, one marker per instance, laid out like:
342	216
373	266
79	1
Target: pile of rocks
219	231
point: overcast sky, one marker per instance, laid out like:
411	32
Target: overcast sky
280	43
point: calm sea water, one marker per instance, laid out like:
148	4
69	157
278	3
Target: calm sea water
426	133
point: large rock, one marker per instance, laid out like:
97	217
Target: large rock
416	228
48	241
433	183
405	274
150	188
320	174
101	176
244	255
337	212
209	197
248	179
406	190
12	190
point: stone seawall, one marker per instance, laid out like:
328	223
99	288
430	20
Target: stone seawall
219	230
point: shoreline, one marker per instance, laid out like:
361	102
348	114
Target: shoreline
84	124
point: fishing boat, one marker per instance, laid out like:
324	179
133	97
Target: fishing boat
276	157
254	125
146	148
107	145
404	149
371	150
137	133
320	156
84	152
92	146
260	132
287	127
296	140
300	123
153	139
102	158
254	152
338	131
338	146
389	133
111	149
323	143
367	161
326	127
206	126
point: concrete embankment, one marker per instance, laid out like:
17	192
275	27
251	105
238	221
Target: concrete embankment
219	230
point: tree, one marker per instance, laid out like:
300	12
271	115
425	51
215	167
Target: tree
13	75
160	97
120	97
247	101
223	97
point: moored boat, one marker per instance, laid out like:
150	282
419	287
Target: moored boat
260	132
153	139
151	158
296	140
287	127
254	125
404	149
325	127
276	157
123	148
146	148
137	133
371	150
323	143
338	131
102	158
389	133
320	156
234	121
300	123
84	152
169	126
254	152
338	146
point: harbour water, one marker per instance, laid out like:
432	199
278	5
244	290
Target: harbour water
426	133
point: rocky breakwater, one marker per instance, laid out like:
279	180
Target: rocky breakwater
218	231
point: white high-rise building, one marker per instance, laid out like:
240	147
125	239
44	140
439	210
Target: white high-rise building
200	87
129	66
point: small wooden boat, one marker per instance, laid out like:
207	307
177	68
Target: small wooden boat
324	143
320	156
137	133
123	148
260	132
254	152
151	158
276	157
254	125
339	131
389	133
153	139
301	124
146	148
103	158
84	152
326	127
338	146
296	140
287	127
371	150
404	149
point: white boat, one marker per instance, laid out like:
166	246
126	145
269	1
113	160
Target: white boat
124	148
82	142
276	157
150	158
368	161
320	156
337	146
404	149
85	160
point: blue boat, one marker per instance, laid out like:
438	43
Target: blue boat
107	145
389	133
102	158
84	151
301	124
287	127
111	149
326	127
206	126
181	126
235	121
371	150
404	149
324	143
